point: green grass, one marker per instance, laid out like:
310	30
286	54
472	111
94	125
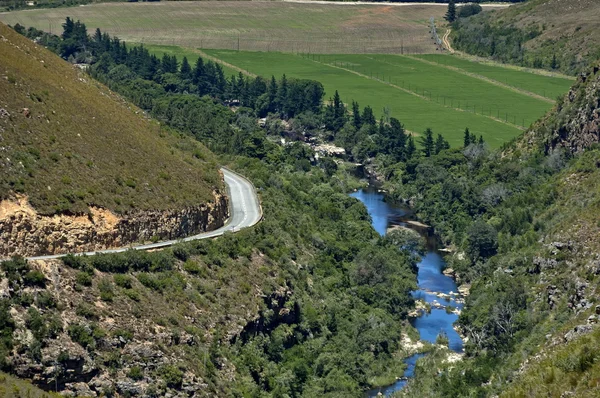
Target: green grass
12	387
259	26
416	113
546	86
447	86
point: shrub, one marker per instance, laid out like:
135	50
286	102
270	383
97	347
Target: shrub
35	323
106	290
172	376
76	262
81	335
45	300
126	334
136	373
35	278
84	279
86	311
150	281
133	294
181	252
192	267
123	281
162	261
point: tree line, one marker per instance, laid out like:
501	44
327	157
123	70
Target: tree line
193	98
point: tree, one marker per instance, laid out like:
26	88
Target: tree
482	240
356	119
185	72
467	138
368	117
451	13
441	144
554	62
427	143
410	147
282	92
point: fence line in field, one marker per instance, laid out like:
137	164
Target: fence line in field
494	113
405	45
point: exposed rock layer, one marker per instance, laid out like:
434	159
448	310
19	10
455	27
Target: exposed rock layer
25	232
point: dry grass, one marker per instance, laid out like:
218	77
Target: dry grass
78	144
263	26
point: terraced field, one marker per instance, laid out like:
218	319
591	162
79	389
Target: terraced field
264	26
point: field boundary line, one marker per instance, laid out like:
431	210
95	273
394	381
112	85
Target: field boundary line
220	61
483	78
423	97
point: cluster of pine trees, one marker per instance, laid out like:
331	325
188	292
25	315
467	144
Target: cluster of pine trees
173	91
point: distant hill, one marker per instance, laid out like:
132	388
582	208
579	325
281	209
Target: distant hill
68	142
551	34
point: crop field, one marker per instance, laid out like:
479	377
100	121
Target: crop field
532	82
419	94
446	87
257	26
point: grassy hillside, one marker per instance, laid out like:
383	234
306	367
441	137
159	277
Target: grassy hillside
11	387
68	142
534	33
248	25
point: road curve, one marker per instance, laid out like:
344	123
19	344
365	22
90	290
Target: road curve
244	207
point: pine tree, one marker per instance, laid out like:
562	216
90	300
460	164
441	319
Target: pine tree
282	95
272	94
481	142
410	147
467	138
185	72
441	144
427	143
451	13
356	119
368	117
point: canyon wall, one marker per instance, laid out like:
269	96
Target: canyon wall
25	232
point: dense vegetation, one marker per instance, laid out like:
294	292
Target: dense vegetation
537	34
509	214
310	302
336	293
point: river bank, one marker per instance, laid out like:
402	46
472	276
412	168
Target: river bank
438	297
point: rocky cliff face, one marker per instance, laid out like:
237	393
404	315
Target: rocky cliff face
25	232
575	123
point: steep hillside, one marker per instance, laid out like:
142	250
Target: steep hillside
551	34
524	225
80	162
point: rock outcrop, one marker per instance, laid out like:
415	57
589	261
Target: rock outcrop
575	123
25	232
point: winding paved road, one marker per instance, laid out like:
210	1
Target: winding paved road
245	212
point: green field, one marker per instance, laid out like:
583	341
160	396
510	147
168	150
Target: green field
446	86
415	109
535	83
252	25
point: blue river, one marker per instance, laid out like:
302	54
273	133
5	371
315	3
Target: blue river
430	280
